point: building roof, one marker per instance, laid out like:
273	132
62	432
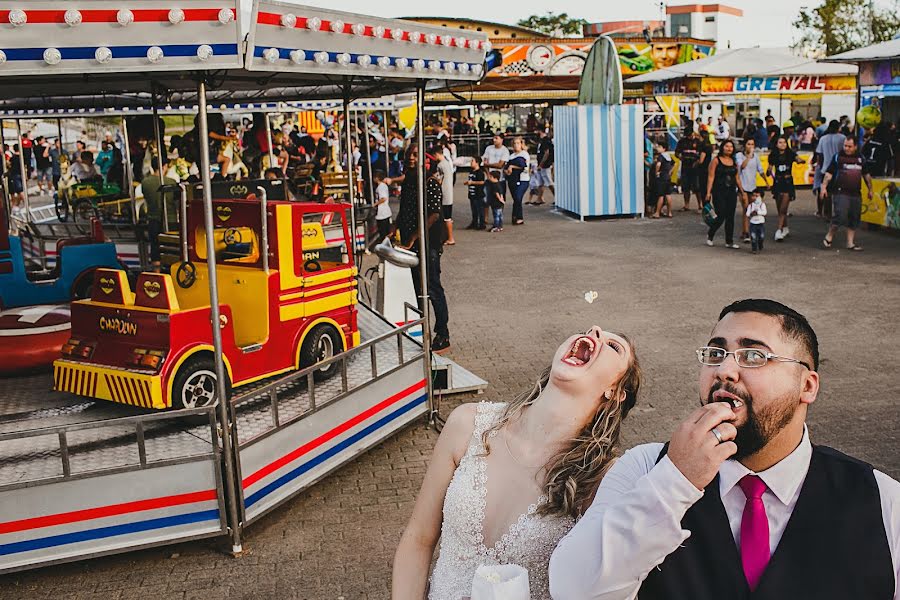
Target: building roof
747	62
882	51
683	9
478	25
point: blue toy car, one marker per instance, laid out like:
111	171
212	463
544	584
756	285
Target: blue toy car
71	278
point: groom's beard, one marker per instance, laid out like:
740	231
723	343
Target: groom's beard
762	425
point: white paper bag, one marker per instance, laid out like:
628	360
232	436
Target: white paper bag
501	582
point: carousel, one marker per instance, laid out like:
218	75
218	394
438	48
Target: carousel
174	415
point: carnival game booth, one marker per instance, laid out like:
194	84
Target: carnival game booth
879	99
104	476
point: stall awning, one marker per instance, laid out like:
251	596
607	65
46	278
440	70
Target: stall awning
883	51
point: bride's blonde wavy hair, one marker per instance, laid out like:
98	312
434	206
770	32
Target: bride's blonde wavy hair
573	473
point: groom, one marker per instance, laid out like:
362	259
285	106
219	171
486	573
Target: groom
739	504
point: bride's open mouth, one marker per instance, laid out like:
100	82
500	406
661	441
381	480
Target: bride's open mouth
581	352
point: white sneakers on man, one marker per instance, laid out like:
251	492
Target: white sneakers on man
779	235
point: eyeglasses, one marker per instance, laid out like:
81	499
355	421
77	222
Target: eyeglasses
751	358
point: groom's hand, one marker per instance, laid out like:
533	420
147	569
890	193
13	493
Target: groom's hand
696	450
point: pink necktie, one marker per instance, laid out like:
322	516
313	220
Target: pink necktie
754	530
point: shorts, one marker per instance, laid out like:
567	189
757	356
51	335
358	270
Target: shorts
45	174
846	210
662	187
783	186
447	210
543	177
690	180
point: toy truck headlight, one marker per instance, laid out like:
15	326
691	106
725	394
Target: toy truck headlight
78	349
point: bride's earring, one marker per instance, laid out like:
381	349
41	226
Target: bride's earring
607	395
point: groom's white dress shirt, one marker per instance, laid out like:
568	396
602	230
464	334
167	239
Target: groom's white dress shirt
635	520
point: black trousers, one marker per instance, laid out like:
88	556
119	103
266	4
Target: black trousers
435	291
725	203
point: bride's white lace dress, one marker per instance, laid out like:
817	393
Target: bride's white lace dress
529	541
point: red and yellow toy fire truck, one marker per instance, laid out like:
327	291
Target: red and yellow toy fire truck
287	296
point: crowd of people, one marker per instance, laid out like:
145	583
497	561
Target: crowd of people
723	172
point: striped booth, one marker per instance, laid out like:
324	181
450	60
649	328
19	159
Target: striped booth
599	159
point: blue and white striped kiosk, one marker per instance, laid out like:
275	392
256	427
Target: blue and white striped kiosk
81	479
599	144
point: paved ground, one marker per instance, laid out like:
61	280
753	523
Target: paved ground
513	297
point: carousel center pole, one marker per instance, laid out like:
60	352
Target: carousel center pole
24	172
349	143
231	498
423	250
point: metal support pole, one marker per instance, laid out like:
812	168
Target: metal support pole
271	145
129	170
387	144
223	405
423	248
4	181
348	142
24	172
160	143
371	167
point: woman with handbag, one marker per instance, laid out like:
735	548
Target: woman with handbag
722	188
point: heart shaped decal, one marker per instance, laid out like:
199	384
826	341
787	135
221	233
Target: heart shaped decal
152	288
223	212
107	285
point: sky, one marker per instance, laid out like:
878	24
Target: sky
769	22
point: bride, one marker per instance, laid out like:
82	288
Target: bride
507	481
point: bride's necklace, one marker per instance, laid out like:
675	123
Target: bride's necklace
513	456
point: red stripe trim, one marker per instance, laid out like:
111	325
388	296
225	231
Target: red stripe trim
329	435
106	511
109	16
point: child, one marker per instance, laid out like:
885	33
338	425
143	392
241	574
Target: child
663	171
756	210
476	194
494	199
383	209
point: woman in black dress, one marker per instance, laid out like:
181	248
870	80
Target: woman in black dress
781	165
722	190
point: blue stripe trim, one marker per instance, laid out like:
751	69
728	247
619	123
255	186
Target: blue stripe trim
105	532
620	159
310	55
82	53
331	452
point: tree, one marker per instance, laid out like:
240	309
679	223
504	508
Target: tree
841	25
561	25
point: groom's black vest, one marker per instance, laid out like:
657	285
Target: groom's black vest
834	545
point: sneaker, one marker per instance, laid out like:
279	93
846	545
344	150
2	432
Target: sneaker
785	231
440	344
745	239
733	246
778	235
495	229
709	243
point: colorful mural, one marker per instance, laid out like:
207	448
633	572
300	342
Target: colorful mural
566	57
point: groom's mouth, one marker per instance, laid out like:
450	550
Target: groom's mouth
581	352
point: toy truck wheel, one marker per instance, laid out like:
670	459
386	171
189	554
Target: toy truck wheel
195	384
83	285
322	343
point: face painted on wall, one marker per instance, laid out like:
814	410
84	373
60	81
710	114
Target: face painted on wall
664	55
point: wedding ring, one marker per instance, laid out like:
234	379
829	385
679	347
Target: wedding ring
716	433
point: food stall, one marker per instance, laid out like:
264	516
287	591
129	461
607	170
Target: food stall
751	83
879	99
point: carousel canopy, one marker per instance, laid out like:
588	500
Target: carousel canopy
747	62
883	51
100	55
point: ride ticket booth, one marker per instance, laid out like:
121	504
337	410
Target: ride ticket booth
103	465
